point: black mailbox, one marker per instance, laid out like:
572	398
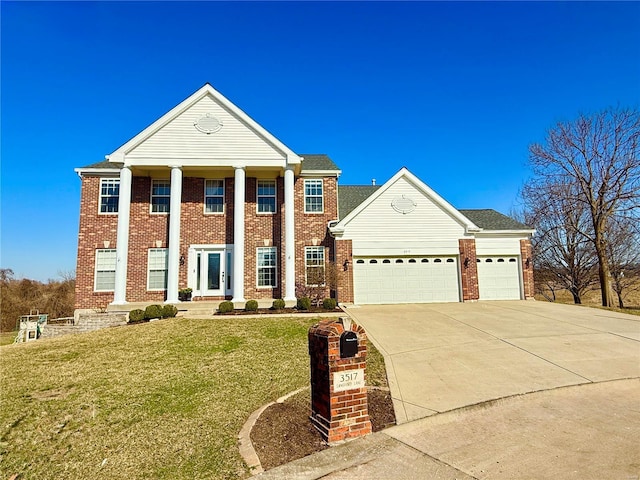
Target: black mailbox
348	344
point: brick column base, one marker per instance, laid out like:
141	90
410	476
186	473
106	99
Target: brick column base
344	414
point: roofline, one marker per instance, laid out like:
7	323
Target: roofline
503	232
470	227
120	153
320	173
97	171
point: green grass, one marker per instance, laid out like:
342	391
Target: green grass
159	400
7	338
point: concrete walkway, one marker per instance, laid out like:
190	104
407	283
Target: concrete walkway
529	390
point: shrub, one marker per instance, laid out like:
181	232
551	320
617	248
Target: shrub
136	315
278	304
251	306
329	303
225	307
304	303
169	311
153	311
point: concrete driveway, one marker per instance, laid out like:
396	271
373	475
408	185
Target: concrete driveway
441	357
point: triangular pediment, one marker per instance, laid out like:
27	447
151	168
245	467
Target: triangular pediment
402	202
205	129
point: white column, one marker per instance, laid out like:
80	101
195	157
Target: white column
238	235
122	241
289	237
175	200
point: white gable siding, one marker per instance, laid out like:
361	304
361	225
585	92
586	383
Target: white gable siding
427	229
179	140
498	246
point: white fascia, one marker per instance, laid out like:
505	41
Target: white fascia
512	233
97	171
321	173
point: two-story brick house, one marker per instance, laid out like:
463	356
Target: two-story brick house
208	199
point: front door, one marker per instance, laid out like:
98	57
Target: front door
210	272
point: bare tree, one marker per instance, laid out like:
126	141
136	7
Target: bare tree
563	255
624	257
598	154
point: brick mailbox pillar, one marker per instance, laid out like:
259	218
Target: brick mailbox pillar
338	351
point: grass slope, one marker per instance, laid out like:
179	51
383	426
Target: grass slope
158	400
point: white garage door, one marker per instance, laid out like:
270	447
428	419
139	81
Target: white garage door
405	280
498	278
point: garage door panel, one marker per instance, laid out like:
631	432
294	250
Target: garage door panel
498	278
406	280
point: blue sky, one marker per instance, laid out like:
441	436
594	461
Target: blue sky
454	91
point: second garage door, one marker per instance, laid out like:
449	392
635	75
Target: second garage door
405	279
498	278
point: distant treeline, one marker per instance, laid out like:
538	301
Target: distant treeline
19	296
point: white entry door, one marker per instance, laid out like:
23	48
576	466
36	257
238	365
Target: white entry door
210	271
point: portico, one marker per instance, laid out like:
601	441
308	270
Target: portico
210	265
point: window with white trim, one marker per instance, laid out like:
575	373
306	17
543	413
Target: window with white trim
266	198
109	195
160	196
213	196
105	272
266	266
157	269
313	197
314	266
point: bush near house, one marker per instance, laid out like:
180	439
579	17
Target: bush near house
225	307
169	311
329	303
278	304
251	306
304	303
153	311
136	315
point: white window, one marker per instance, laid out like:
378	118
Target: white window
109	194
157	269
266	196
214	196
314	265
105	276
160	196
267	267
313	199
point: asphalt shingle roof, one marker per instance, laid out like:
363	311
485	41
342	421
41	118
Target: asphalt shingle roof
105	164
488	219
350	196
317	162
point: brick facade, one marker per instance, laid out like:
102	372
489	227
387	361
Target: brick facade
344	265
150	230
96	231
469	269
527	269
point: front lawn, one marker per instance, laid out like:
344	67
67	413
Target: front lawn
159	400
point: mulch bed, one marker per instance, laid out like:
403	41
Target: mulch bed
271	311
283	432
